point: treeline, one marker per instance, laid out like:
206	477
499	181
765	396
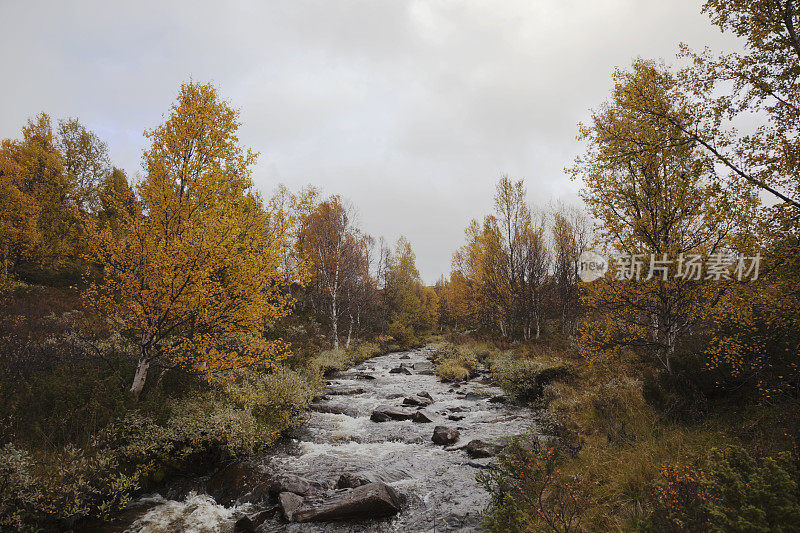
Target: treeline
517	271
190	264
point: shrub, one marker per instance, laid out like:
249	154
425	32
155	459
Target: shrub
524	379
238	416
18	495
403	335
730	490
530	492
454	363
614	408
364	351
330	361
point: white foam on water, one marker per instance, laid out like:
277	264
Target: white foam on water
198	513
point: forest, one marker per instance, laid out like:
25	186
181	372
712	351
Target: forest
155	326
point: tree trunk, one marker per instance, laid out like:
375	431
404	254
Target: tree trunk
335	326
349	333
140	376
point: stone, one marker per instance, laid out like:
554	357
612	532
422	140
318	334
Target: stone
498	399
384	413
400	370
444	435
244	525
332	409
351	481
373	500
290	503
346	392
417	400
293	483
422	417
478	448
473	396
455	418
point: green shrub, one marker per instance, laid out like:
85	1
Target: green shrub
729	491
18	494
524	379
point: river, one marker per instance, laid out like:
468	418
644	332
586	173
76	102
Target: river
436	483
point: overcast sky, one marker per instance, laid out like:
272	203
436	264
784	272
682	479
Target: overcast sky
412	110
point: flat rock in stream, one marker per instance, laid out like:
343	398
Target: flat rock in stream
400	370
423	365
444	435
290	503
384	413
480	448
373	500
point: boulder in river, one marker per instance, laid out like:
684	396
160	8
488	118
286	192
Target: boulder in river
425	394
479	448
474	396
498	399
455	418
444	435
417	400
351	481
400	370
295	484
373	500
384	413
290	503
405	357
422	417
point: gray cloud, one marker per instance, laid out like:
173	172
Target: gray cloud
410	109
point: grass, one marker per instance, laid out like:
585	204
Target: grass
614	444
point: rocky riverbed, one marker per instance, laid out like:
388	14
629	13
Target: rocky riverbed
387	447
